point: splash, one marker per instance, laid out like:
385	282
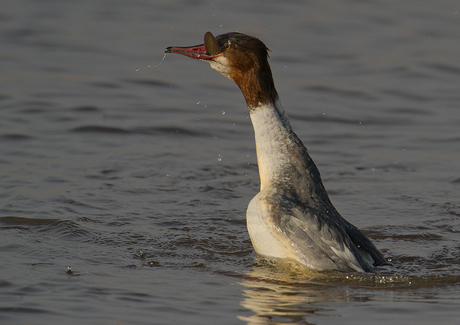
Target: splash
155	65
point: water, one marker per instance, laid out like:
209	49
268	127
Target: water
138	177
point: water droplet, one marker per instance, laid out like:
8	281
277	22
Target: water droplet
223	112
137	69
220	157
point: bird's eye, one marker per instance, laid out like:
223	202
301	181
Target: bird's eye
227	45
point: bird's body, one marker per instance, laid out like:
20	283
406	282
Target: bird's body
292	216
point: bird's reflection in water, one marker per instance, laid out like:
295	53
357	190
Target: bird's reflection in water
285	293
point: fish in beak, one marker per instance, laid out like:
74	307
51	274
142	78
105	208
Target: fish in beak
207	51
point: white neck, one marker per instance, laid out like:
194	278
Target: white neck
273	141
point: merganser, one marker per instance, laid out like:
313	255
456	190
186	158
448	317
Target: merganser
292	216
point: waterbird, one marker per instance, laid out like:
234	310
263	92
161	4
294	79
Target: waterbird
292	216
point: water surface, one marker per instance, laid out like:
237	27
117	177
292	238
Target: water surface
125	186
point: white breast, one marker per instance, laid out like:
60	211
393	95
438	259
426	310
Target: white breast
264	236
271	128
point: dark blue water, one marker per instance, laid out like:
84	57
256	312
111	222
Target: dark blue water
124	186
